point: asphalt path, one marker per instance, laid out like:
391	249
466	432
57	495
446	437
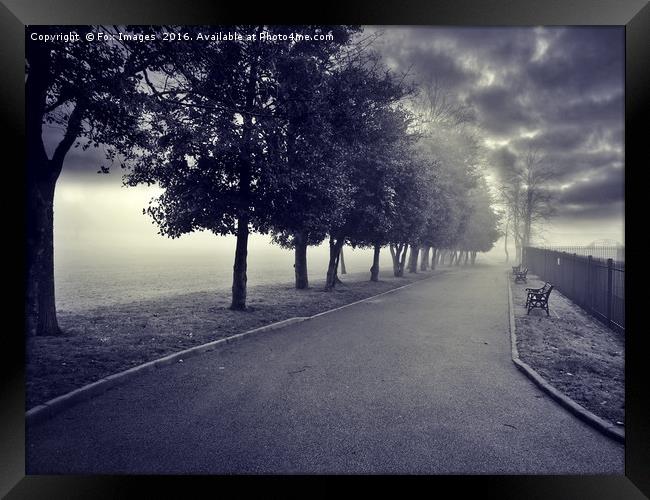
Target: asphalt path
416	381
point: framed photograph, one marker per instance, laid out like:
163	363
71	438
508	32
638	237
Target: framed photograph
382	241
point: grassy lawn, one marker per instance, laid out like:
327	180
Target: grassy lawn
105	340
573	351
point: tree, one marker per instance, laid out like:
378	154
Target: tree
440	224
308	179
413	200
88	92
482	229
450	136
457	155
362	96
526	193
223	135
380	180
506	231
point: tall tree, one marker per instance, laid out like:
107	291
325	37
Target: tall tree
526	193
412	205
482	228
375	200
87	92
308	179
450	136
362	96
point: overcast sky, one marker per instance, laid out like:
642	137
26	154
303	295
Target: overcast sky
560	89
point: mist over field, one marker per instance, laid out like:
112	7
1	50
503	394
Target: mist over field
108	251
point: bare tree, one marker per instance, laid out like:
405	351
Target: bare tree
441	107
528	197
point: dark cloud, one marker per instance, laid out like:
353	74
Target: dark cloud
570	165
593	212
561	139
606	188
500	110
580	60
592	112
556	89
433	66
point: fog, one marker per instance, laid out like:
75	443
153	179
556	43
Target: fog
99	222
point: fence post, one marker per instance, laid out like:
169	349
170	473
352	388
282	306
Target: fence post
573	277
610	292
588	294
545	266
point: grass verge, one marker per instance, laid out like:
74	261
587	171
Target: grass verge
105	340
573	351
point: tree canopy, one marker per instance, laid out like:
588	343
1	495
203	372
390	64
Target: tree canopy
306	141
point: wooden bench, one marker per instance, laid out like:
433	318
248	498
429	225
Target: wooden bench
538	297
520	276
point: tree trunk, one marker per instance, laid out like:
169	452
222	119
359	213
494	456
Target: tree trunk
424	258
42	175
335	249
342	261
398	253
466	257
413	258
402	264
434	258
239	269
452	258
41	304
459	257
442	256
505	239
395	255
473	257
300	265
374	270
244	169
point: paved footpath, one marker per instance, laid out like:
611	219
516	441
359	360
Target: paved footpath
417	381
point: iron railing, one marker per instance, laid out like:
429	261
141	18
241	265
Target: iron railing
595	284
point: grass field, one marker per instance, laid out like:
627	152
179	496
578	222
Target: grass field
573	351
101	341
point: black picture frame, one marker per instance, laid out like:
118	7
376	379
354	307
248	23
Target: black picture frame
15	14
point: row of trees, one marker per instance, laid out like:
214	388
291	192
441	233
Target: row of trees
306	141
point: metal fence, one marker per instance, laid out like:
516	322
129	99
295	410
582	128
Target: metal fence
604	252
596	285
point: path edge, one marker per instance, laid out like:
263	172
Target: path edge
578	410
56	405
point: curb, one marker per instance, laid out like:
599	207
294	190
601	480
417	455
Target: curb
53	406
579	411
